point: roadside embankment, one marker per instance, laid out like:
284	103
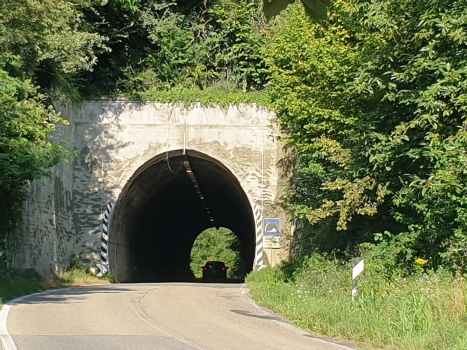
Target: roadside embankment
424	310
15	283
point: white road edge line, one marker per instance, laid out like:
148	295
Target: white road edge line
288	326
7	341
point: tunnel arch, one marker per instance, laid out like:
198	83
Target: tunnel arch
161	211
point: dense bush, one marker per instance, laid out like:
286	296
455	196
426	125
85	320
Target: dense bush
158	46
51	42
374	101
43	46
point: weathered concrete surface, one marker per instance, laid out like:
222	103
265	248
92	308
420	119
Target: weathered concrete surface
113	139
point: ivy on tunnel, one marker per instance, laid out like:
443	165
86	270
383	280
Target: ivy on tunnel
162	210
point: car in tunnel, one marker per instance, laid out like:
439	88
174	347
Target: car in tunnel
214	271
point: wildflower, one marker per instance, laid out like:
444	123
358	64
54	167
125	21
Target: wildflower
421	262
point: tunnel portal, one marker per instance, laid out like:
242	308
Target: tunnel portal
163	208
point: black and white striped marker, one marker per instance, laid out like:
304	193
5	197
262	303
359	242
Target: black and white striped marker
104	265
259	255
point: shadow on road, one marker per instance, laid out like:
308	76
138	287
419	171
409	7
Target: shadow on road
68	295
229	280
77	294
263	317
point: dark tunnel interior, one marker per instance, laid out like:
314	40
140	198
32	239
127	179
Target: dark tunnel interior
166	204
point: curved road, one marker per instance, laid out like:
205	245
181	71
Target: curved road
175	316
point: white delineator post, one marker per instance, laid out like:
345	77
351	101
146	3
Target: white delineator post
357	270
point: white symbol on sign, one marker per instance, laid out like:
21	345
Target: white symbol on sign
272	228
272	233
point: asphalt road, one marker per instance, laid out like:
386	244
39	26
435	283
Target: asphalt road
175	316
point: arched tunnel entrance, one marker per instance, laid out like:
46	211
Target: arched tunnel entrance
162	209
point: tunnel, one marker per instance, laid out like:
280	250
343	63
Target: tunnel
164	206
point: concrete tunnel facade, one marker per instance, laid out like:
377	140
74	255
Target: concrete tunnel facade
160	212
122	151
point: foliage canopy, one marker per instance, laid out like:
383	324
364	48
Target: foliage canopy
374	103
42	43
25	149
156	46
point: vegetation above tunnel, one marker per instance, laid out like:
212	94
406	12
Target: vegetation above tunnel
200	48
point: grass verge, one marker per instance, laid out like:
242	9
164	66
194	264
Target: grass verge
15	283
15	289
426	310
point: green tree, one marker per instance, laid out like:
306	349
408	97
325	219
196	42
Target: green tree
374	102
43	45
158	45
50	41
25	149
315	9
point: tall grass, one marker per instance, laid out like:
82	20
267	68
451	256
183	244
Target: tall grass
425	310
78	274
